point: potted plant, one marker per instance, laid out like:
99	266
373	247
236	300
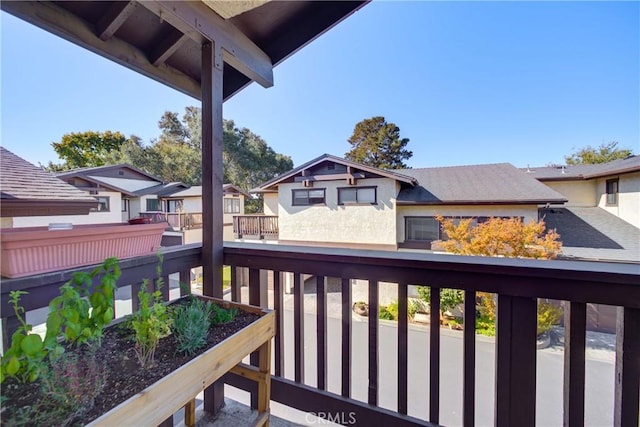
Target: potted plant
36	250
139	370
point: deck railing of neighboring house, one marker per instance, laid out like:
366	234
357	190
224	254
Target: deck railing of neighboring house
255	227
517	282
178	220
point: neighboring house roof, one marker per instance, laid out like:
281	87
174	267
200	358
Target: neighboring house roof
196	191
162	190
27	190
271	185
593	233
500	183
575	172
102	170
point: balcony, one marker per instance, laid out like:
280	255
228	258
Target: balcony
178	221
348	369
255	227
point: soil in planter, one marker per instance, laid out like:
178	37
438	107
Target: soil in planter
123	378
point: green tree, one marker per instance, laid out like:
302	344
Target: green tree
377	143
86	149
604	153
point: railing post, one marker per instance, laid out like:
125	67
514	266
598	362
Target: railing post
575	322
516	361
627	381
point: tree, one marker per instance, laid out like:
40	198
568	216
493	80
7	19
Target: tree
377	143
606	152
86	149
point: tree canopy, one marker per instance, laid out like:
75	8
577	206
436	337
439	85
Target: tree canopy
604	153
377	143
86	149
176	154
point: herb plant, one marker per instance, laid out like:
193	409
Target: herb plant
222	315
191	325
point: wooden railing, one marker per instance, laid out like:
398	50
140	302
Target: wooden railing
178	220
255	227
305	380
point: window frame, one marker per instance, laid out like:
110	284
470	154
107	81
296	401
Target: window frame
125	205
307	190
231	199
416	241
612	196
368	187
102	200
158	205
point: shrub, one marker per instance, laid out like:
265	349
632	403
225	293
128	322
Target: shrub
222	315
449	298
384	313
548	315
191	324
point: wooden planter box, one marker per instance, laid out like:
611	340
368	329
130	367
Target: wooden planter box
162	399
35	250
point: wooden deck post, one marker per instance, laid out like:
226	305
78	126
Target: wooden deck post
212	250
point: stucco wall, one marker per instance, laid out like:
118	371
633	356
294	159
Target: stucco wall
579	193
628	207
270	202
113	216
369	224
192	204
529	213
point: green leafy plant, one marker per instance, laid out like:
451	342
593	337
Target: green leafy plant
191	323
222	315
81	316
25	360
548	315
449	298
150	323
385	314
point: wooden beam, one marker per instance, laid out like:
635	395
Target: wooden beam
167	47
113	19
200	22
332	177
58	21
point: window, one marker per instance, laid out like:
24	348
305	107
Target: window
231	206
125	205
174	205
153	205
357	195
308	197
103	204
422	229
612	192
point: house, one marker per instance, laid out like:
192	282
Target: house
601	218
330	201
27	191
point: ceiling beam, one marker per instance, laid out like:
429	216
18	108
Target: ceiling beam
200	22
167	47
56	20
113	19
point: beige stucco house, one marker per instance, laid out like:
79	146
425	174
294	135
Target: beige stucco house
331	201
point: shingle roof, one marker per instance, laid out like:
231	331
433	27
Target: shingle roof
196	191
571	172
20	179
500	183
593	233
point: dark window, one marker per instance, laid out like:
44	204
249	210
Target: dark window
422	229
231	206
308	197
153	205
612	192
125	205
103	204
357	195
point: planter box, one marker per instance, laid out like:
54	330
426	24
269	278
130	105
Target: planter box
162	399
36	250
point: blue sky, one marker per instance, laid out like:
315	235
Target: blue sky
467	83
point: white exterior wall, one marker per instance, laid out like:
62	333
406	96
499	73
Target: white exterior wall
143	205
270	203
360	224
628	207
192	204
113	216
579	193
529	213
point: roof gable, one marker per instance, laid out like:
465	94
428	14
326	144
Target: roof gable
330	168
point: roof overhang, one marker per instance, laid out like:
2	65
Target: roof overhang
162	39
478	202
21	207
